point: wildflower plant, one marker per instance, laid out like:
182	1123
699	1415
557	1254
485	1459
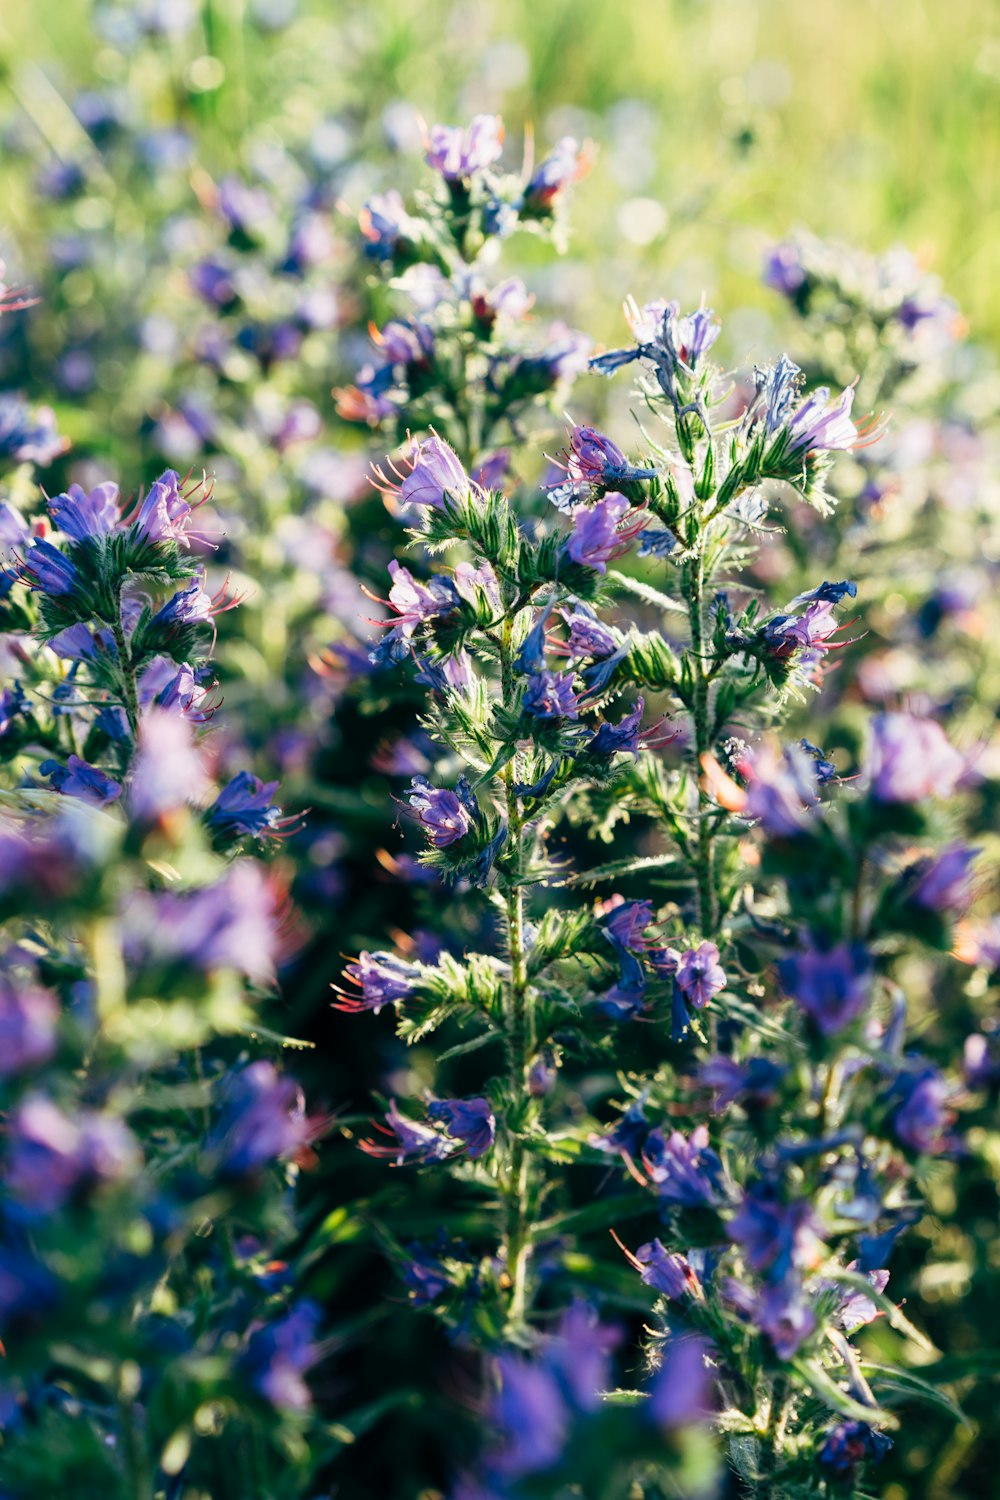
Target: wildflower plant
153	1336
776	1119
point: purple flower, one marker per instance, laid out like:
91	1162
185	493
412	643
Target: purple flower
783	268
165	514
549	695
243	809
944	884
665	1271
554	174
755	1083
628	1137
164	684
263	1120
52	1157
980	1060
781	791
77	778
921	1118
435	475
468	1120
854	1309
850	1444
457	154
443	815
84	517
167	772
776	1236
382	979
700	975
425	1277
911	759
820	426
28	1017
588	637
578	1353
782	1313
596	538
384	222
232	924
595	460
279	1354
46	569
627	923
624	737
833	985
531	1416
28	435
680	1393
684	1168
413	1140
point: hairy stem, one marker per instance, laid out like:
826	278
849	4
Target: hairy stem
127	671
700	710
520	1028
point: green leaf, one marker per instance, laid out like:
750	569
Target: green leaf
462	1049
603	1214
839	1400
617	868
905	1383
647	592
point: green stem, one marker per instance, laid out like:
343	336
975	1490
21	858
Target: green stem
127	671
700	709
517	1185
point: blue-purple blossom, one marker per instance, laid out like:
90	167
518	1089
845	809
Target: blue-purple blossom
434	475
755	1084
457	154
28	435
443	815
531	1416
944	884
232	924
48	570
594	459
780	1310
684	1169
776	1236
86	517
588	636
911	759
28	1016
243	809
263	1120
596	538
167	772
832	985
680	1392
164	514
383	222
468	1120
921	1117
279	1354
565	163
699	974
413	1141
820	426
666	1271
550	695
849	1445
381	978
52	1157
77	778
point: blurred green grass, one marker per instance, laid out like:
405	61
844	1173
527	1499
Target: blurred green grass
721	123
